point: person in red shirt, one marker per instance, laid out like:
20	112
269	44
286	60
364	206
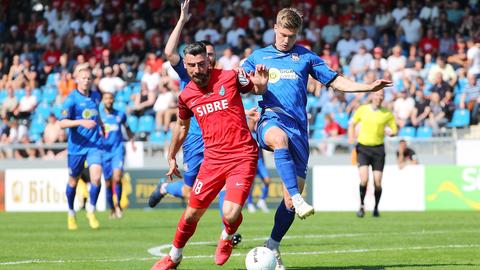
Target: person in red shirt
231	153
429	43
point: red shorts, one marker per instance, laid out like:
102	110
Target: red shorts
236	176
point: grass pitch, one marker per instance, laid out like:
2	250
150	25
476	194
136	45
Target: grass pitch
429	240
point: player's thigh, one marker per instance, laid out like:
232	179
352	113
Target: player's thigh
270	133
76	164
208	184
94	161
191	168
239	180
107	168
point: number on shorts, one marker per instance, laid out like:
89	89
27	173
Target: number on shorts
197	188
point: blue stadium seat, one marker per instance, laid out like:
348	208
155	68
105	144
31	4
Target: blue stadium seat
37	93
43	110
146	123
318	134
424	132
120	106
50	94
460	118
3	95
19	93
119	97
407	132
157	137
51	79
37	126
168	136
57	110
248	103
319	122
127	93
342	119
311	102
132	122
34	137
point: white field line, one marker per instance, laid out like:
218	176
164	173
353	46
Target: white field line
158	251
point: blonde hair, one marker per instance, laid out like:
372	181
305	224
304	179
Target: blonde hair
81	67
290	18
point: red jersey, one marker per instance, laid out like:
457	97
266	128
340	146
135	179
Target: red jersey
219	111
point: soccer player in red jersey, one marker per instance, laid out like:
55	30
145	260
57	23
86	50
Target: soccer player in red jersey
231	153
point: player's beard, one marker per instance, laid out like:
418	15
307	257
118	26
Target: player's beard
201	79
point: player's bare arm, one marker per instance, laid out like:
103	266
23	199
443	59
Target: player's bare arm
343	84
68	123
179	134
172	43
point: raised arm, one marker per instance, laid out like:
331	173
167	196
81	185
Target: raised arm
343	84
172	43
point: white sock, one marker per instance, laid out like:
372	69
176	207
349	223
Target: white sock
297	200
272	244
71	212
90	208
175	254
226	236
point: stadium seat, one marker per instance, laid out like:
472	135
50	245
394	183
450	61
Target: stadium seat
51	79
146	123
19	93
460	118
50	94
132	122
34	137
248	103
57	110
43	110
424	132
319	122
37	126
119	97
37	93
120	106
311	102
318	134
3	95
342	119
407	132
168	135
157	137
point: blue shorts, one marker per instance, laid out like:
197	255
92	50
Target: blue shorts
297	138
111	163
262	170
192	158
76	163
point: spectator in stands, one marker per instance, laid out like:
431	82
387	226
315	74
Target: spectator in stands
110	83
437	117
411	28
378	64
165	106
473	56
429	43
143	101
405	155
65	85
51	135
429	12
9	104
234	33
26	151
332	131
229	60
403	108
399	12
150	79
459	59
440	86
227	20
396	63
332	31
470	98
27	105
365	41
360	63
383	19
15	74
82	41
421	111
346	47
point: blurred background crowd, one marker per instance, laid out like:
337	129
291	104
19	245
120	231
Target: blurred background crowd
429	49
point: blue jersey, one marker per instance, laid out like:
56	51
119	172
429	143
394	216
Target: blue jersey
78	106
288	76
113	142
194	142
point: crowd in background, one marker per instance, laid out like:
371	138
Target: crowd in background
429	49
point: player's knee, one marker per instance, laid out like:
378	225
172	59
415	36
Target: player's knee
231	216
279	140
192	217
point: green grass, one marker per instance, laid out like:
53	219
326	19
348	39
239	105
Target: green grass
429	240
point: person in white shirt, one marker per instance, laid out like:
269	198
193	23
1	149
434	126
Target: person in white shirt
383	19
81	40
27	104
396	63
151	79
332	31
227	20
399	12
364	40
360	63
269	35
411	28
378	63
403	109
346	46
234	34
229	60
429	12
473	57
109	83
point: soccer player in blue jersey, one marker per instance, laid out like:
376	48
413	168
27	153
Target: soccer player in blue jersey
85	141
283	126
114	151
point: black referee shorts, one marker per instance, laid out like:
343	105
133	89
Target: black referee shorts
371	155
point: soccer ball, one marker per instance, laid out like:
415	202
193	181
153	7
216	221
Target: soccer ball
260	258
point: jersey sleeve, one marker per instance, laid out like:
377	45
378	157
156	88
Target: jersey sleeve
183	111
320	71
249	63
68	109
245	85
123	118
391	123
181	71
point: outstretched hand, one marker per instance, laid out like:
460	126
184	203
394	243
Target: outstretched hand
253	113
260	77
380	84
172	163
184	15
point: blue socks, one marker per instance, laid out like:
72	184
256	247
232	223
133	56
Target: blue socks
286	170
221	199
109	193
118	191
283	220
94	191
71	191
175	189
